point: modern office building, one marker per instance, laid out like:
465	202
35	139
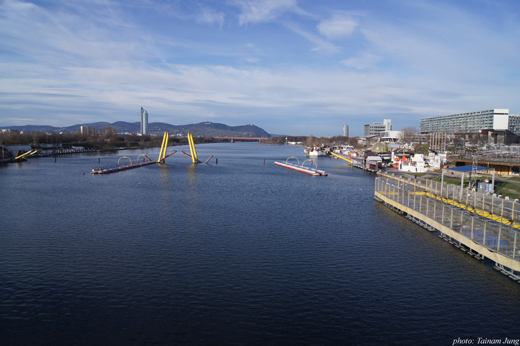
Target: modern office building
144	121
345	130
474	122
374	129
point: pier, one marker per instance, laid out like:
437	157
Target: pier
370	163
341	157
124	166
301	168
479	224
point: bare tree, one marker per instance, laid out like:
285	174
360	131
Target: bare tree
406	134
310	141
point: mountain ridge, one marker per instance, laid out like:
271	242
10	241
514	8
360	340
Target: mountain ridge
204	129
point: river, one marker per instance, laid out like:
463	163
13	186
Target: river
238	252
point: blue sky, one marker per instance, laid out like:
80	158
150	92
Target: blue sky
291	67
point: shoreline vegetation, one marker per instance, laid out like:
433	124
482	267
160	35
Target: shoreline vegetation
109	140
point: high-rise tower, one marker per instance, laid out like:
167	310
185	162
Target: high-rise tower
345	130
144	121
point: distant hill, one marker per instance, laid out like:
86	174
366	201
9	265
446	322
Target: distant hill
206	129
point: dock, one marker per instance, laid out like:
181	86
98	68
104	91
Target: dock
122	167
370	163
302	169
480	224
341	157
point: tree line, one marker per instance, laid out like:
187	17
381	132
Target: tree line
93	139
310	141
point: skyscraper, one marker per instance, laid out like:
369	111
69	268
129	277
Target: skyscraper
345	130
144	121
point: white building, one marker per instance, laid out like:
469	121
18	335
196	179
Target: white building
374	129
388	124
391	136
473	122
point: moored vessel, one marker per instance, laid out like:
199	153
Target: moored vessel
315	151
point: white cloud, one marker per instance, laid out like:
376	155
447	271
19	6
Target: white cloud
448	40
192	92
321	45
210	16
57	37
339	26
363	61
258	11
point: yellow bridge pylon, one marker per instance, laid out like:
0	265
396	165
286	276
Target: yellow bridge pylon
164	145
26	155
193	151
194	157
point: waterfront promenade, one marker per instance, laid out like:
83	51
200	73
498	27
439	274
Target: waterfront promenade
480	224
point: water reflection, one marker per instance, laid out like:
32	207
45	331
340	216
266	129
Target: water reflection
167	191
193	204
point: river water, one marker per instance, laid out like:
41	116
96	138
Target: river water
238	252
